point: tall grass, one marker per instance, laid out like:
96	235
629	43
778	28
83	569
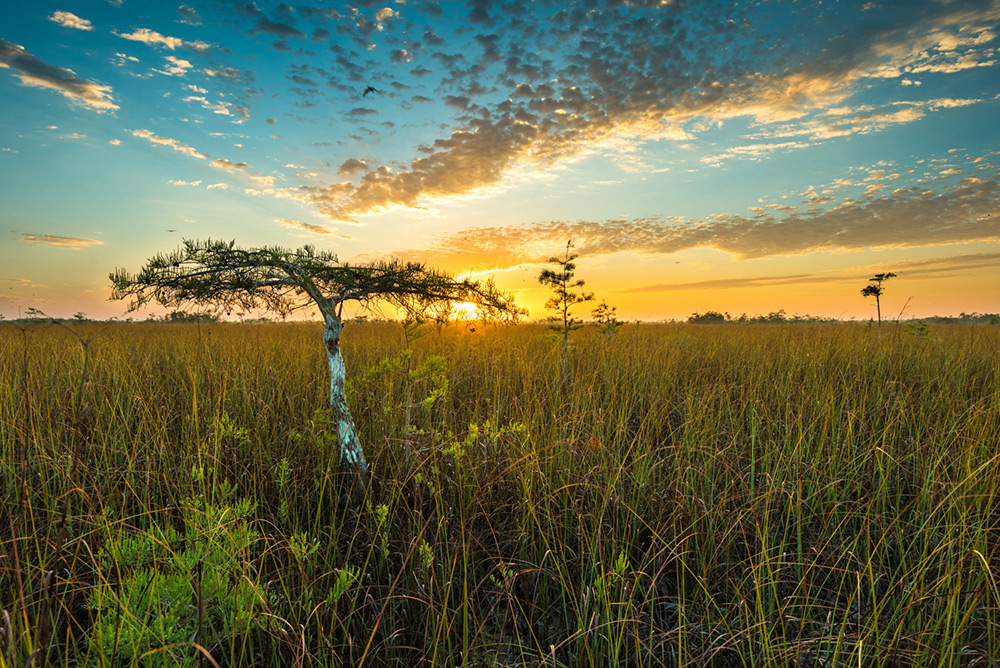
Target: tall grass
734	496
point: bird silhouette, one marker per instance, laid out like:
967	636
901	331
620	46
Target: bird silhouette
171	230
370	89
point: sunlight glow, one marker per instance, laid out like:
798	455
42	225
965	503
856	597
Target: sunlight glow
464	311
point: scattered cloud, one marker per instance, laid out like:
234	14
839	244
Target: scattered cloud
352	166
68	20
243	168
153	38
69	243
178	182
176	67
221	107
188	16
681	72
276	28
33	72
23	282
752	151
172	143
309	227
230	166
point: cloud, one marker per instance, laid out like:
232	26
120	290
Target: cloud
229	74
400	56
946	267
220	163
275	28
309	227
153	38
352	166
221	108
752	151
33	72
188	16
176	182
68	20
230	166
177	67
862	120
242	168
69	243
172	143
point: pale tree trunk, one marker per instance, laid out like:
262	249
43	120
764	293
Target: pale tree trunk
878	310
352	457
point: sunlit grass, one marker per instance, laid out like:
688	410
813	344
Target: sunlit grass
735	495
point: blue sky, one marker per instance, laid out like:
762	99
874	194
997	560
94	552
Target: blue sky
701	155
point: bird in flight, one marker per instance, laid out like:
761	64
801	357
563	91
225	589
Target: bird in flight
171	230
370	89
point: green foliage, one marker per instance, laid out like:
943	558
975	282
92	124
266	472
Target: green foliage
280	280
605	318
346	577
563	299
162	588
561	282
918	329
301	547
875	287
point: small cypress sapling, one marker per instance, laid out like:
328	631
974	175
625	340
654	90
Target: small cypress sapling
875	289
605	317
562	284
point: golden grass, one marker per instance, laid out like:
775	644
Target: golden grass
734	495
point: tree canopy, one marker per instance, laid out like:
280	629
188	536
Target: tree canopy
281	280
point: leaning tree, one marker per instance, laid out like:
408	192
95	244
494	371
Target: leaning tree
227	277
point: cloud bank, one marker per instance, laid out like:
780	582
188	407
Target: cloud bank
964	211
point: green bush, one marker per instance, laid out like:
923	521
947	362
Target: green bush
174	588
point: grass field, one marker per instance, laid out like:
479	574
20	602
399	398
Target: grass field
734	496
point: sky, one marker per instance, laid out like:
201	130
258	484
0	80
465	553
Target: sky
739	157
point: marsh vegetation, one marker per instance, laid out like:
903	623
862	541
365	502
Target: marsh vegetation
789	495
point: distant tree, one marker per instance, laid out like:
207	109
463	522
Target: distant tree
606	319
875	289
80	316
185	317
563	299
225	276
708	318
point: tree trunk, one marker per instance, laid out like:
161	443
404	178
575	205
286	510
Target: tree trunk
878	310
352	457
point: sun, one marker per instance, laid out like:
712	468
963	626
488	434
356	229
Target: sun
464	311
